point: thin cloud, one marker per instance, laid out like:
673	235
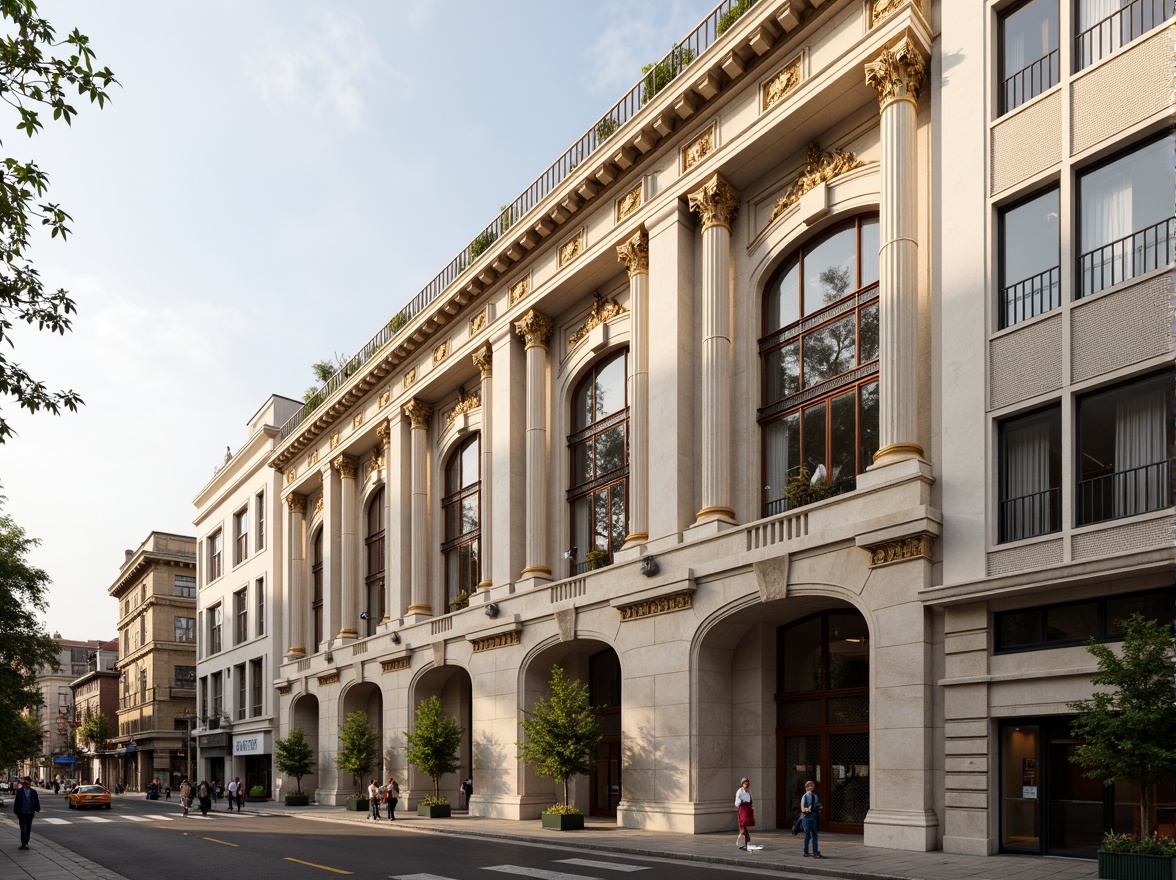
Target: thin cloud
641	34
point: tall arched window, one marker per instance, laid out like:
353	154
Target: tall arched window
599	447
461	508
374	569
316	589
819	355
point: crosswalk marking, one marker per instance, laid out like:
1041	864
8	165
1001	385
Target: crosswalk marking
95	819
57	821
137	818
419	877
539	873
608	866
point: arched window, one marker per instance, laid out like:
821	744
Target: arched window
461	509
599	447
374	572
819	355
316	591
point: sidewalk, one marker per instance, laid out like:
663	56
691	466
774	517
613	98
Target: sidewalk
845	855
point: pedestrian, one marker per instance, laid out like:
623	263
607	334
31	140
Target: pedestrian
25	805
467	791
810	810
240	794
205	795
391	795
185	794
218	790
373	800
746	815
167	793
232	798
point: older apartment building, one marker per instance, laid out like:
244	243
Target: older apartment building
813	408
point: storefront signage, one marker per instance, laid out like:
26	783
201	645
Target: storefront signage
251	744
1029	792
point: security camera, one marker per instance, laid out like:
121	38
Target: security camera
363	615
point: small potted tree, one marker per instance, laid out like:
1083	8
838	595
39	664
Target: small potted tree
360	746
432	749
1128	734
293	756
561	736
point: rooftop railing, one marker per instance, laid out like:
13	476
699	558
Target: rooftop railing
656	77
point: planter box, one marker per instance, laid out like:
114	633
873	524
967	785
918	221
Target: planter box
255	799
360	806
564	822
297	800
1135	866
436	811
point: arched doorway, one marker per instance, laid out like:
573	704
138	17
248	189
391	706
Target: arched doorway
823	717
364	697
452	686
305	714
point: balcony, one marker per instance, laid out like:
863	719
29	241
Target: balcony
1125	493
1127	258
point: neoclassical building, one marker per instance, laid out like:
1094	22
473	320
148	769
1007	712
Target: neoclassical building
721	415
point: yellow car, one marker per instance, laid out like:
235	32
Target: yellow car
88	796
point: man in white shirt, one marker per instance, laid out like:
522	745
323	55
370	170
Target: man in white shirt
232	798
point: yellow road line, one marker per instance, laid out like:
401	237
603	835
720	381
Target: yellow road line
313	865
225	842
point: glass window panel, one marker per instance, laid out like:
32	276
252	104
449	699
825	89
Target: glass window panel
452	573
869	267
1018	628
802	761
784	299
582	527
1019	814
610	450
830	270
849	651
582	462
1068	623
814	437
802	657
582	412
849	782
610	387
469	514
618	521
868	424
1127	195
1153	606
782	449
800	713
869	334
849	710
843	462
829	351
1027	35
452	521
469	463
782	372
1029	238
600	520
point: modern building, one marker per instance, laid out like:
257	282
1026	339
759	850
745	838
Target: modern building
239	606
96	693
813	408
156	594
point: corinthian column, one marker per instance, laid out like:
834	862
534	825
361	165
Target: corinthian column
418	413
483	360
345	465
536	330
296	541
897	75
384	432
716	203
634	253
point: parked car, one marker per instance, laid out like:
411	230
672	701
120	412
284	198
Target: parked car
88	796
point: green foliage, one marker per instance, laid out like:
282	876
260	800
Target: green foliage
801	489
21	739
563	810
34	79
1147	845
460	601
360	746
561	732
96	731
597	557
257	791
433	742
397	323
293	756
732	15
606	127
433	801
659	75
1128	731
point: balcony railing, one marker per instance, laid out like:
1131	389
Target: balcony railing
840	487
1118	29
1128	257
1029	82
680	56
1032	297
1038	513
1125	493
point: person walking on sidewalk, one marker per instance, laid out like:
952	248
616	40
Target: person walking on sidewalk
374	800
746	813
232	798
26	804
185	794
810	812
240	793
391	795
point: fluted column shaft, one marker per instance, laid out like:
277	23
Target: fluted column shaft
634	253
418	413
897	75
296	541
483	360
384	432
347	619
536	330
717	203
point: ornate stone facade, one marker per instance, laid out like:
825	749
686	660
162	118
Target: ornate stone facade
602	311
822	165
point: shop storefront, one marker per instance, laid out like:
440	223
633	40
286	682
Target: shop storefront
253	760
214	749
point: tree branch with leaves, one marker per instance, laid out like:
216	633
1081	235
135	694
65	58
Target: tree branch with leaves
561	732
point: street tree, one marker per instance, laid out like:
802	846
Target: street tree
561	732
433	743
95	730
38	73
293	756
360	746
1128	731
21	739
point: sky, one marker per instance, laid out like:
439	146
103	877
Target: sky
272	181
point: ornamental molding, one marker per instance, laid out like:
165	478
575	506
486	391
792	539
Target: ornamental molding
296	502
483	359
634	253
657	605
602	312
345	465
329	678
880	9
478	321
441	352
410	377
900	550
699	148
629	202
418	413
396	664
519	289
897	74
494	642
357	420
716	202
535	328
376	462
283	690
312	459
385	398
384	431
318	505
571	248
778	87
465	403
290	474
821	166
334	440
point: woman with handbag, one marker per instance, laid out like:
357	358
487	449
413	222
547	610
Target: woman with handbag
746	814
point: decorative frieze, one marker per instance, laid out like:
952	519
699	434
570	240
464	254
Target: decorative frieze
410	377
441	352
716	202
602	311
312	459
629	202
657	605
385	398
465	403
328	678
290	476
396	664
519	289
778	87
898	73
821	166
377	461
900	550
478	322
318	505
384	431
357	419
879	9
501	640
571	248
699	148
334	440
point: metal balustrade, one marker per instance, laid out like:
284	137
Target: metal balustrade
1028	516
1032	297
1118	29
1126	258
1125	493
1029	82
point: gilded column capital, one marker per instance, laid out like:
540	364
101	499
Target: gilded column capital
418	412
898	73
296	502
535	328
716	202
483	359
634	253
345	465
384	431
